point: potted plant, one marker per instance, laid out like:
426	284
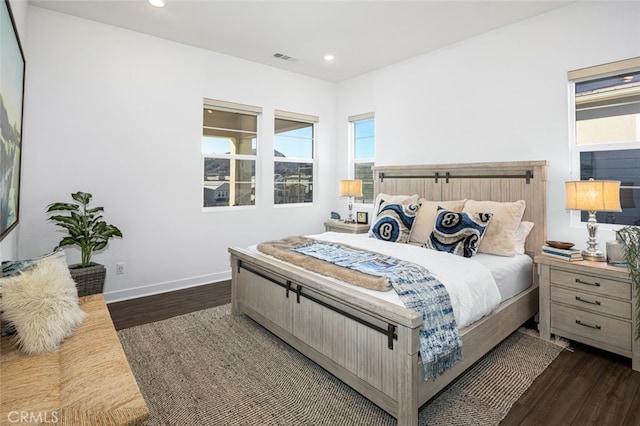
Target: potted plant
87	230
629	236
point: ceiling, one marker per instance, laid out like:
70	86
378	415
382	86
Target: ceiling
363	35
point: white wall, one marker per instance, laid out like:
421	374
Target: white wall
119	114
502	96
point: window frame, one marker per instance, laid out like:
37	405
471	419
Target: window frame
301	118
579	76
226	106
352	160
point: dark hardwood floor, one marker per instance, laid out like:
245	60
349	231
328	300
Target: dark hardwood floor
584	387
130	313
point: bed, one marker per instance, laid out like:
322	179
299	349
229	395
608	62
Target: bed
370	343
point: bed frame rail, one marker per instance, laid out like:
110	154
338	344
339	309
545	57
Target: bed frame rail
527	176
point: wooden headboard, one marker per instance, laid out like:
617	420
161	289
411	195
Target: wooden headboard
504	181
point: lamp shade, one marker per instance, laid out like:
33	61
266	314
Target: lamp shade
593	195
351	188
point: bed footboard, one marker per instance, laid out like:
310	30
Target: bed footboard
369	350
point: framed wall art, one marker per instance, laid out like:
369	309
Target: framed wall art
12	67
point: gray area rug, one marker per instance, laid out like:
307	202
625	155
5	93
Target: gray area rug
211	368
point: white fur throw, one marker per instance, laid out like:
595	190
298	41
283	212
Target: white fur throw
42	305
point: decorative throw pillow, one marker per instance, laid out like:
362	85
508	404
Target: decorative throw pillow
524	229
42	305
458	233
393	199
14	267
426	217
500	237
393	222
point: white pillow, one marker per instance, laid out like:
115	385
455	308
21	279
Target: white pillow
500	236
522	233
426	218
42	305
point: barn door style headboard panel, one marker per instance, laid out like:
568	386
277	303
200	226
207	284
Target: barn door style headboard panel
502	181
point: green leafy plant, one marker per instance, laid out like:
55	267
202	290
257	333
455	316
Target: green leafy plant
85	226
630	237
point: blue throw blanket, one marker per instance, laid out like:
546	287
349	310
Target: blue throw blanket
440	343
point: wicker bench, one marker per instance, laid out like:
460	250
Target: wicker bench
87	381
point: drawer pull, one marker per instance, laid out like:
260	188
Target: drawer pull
579	281
591	302
597	327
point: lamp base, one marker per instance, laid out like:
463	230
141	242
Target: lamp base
594	256
350	218
592	253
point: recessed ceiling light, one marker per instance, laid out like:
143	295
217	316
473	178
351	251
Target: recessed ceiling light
329	57
157	3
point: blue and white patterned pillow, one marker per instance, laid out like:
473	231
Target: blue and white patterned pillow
12	268
458	233
394	221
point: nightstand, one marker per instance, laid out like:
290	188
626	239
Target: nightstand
346	228
589	302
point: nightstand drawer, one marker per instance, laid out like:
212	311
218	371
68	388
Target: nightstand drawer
591	283
591	302
591	326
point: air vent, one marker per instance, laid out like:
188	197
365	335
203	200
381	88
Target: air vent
284	57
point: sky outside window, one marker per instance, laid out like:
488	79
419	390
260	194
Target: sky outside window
364	138
296	143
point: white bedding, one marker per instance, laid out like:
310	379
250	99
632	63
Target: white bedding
472	289
512	274
476	286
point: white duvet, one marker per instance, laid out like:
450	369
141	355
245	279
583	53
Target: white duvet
471	286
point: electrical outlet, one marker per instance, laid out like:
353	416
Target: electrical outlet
120	268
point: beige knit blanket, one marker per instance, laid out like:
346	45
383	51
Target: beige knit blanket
281	249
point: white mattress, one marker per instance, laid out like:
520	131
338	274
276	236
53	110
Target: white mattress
476	286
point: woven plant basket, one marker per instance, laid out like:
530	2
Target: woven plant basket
89	280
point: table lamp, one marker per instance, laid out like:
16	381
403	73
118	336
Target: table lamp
350	189
593	196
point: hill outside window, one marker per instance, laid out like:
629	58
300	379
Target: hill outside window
293	174
229	151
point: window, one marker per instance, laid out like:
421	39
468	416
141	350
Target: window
607	132
229	151
294	153
362	153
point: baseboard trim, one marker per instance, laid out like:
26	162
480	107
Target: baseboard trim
159	288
